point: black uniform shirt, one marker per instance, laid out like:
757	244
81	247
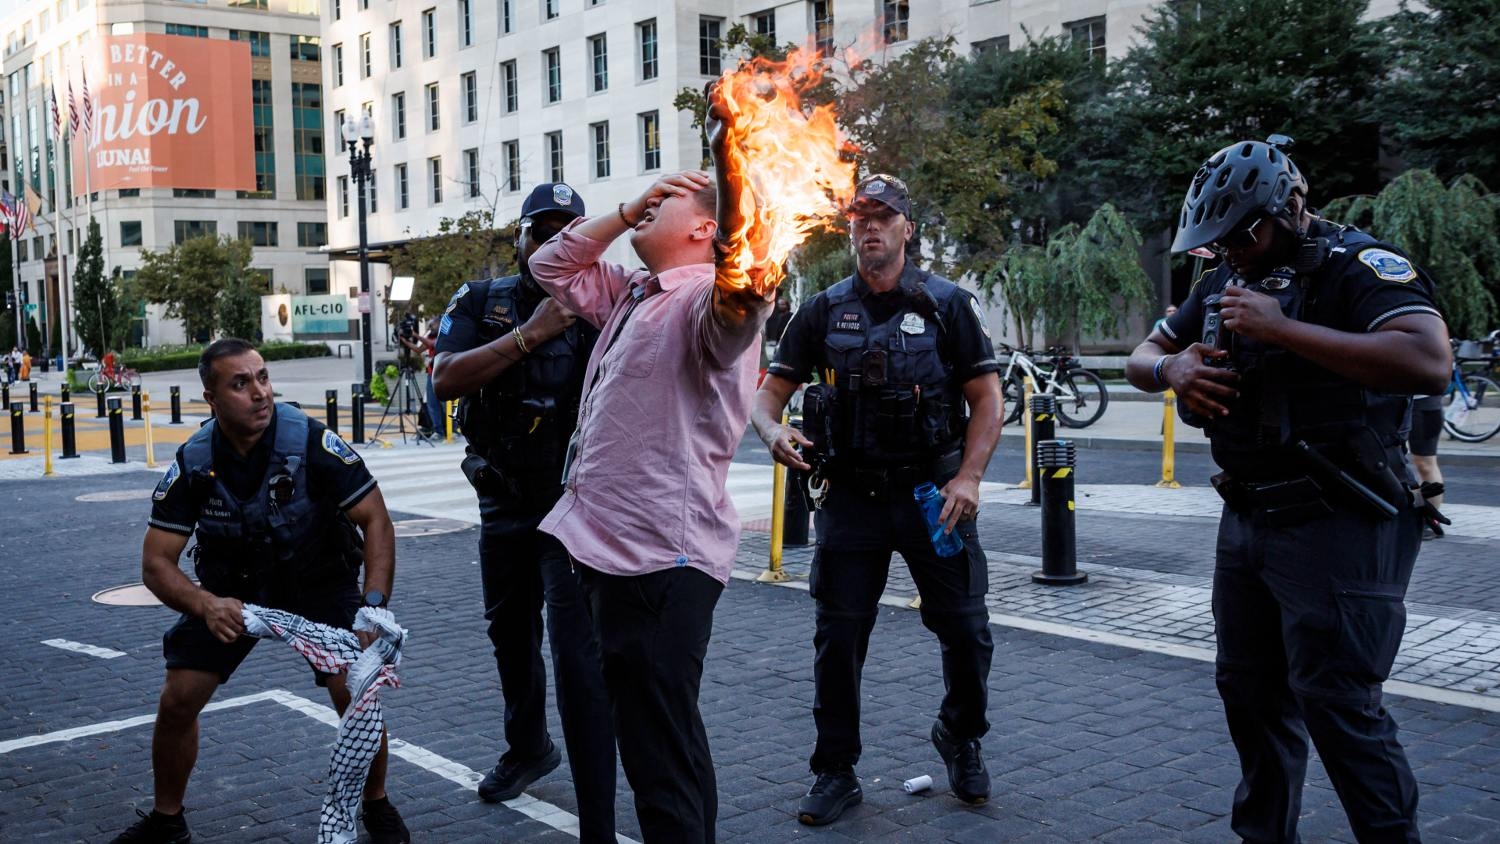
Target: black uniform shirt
965	347
458	330
333	469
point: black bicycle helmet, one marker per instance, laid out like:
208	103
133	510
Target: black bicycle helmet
1239	179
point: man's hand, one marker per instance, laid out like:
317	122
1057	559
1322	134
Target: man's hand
960	501
225	618
716	123
674	184
1201	388
1251	314
549	320
780	441
366	638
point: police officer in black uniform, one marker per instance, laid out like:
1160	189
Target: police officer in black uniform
901	353
285	513
1298	355
517	358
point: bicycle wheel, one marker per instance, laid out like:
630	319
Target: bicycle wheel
1088	402
1473	413
1012	391
95	382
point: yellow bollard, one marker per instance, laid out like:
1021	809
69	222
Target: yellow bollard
1168	442
1026	431
47	437
150	440
773	572
448	421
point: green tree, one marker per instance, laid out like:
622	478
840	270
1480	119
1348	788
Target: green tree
1439	106
33	337
9	324
103	316
190	277
464	248
239	309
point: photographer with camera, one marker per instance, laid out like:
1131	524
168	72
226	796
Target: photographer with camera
516	359
420	351
1298	356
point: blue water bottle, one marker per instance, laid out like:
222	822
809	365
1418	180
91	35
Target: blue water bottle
931	502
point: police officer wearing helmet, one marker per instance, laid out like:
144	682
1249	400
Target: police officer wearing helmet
516	358
1298	355
901	353
285	513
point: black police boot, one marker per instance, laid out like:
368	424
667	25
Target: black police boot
967	776
834	791
384	823
510	776
156	828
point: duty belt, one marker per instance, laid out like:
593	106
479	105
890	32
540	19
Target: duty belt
1279	503
880	480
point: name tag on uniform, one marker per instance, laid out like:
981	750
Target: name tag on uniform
914	324
848	322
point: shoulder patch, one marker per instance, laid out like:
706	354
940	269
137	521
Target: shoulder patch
453	302
445	324
338	448
984	324
174	471
1388	265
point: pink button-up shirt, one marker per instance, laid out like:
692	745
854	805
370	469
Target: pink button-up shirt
659	427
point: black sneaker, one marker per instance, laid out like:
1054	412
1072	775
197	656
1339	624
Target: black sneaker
833	792
384	823
967	775
156	828
510	776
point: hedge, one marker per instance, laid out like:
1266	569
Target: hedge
187	357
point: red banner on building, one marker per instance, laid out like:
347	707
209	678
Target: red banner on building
170	111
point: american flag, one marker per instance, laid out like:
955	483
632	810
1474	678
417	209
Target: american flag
56	115
8	211
21	218
88	109
72	111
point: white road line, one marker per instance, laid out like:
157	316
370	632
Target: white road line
79	647
461	775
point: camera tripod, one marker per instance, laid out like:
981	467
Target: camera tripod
406	390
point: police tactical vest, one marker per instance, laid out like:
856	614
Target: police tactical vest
897	400
279	536
1285	398
521	421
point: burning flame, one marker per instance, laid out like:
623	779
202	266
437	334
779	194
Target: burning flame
785	159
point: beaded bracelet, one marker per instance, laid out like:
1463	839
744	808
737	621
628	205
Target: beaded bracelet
624	219
1156	371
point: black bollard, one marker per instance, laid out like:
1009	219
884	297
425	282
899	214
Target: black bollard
794	523
116	432
176	405
1055	461
357	389
34	407
1043	421
67	393
69	433
135	402
17	429
357	420
100	396
331	398
5	396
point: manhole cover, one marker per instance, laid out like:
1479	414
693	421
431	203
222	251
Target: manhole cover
115	495
131	595
428	527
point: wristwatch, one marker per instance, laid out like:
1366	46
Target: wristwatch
376	598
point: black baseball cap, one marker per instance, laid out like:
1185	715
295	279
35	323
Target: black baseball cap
886	190
552	196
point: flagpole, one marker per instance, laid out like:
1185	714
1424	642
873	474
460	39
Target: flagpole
65	321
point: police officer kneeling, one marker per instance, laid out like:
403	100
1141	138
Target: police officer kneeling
517	358
901	352
1298	355
274	499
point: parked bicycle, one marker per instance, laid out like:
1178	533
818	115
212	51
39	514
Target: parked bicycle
113	378
1471	404
1081	395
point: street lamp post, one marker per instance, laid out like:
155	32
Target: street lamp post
358	137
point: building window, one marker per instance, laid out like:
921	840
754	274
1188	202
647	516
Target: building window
343	182
512	153
897	14
312	235
337	57
185	230
259	233
512	87
764	23
435	178
394	35
650	60
338	10
1089	35
471	96
372	199
429	33
307	139
710	48
1000	44
305	48
434	113
260	42
471	172
552	61
398	116
130	233
600	131
823	26
189	30
554	157
465	23
265	140
21	251
366	61
193	193
599	63
316	280
549	9
505	20
403	188
650	141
